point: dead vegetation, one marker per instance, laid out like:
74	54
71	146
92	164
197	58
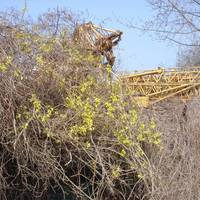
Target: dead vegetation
176	167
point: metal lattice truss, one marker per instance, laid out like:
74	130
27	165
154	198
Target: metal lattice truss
98	40
150	87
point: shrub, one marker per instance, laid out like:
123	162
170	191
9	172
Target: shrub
67	129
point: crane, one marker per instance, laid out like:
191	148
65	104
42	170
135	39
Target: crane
147	87
97	39
153	86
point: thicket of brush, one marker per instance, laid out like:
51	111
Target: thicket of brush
177	165
67	131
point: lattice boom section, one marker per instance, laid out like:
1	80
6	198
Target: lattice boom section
89	34
152	86
98	40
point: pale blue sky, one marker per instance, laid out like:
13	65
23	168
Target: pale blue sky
137	51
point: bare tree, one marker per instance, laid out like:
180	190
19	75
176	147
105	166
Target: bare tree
189	57
176	20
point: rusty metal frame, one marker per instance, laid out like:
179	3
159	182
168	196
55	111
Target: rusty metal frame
97	39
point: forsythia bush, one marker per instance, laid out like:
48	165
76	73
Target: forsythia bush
68	131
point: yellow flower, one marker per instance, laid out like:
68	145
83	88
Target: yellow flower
116	172
122	153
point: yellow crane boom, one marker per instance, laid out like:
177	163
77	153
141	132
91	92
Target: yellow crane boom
153	86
